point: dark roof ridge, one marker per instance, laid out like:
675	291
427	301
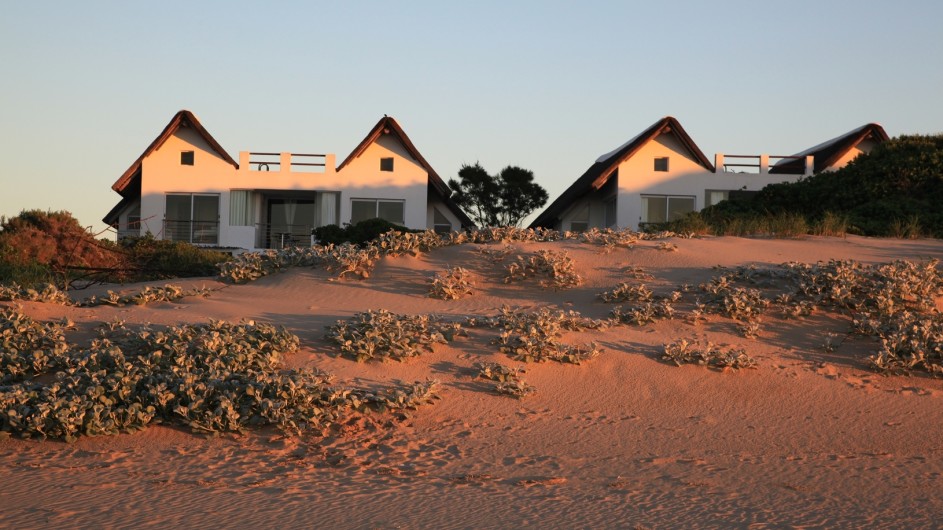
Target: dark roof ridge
387	124
181	118
602	169
828	152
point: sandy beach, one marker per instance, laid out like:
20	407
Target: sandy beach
810	438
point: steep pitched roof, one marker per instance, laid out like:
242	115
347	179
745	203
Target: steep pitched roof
111	218
183	118
388	125
599	173
827	153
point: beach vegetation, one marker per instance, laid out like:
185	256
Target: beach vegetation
452	284
216	377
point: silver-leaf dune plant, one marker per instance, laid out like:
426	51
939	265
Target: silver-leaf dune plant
210	377
536	336
682	352
453	284
382	335
556	270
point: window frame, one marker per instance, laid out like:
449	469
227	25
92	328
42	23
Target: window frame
707	197
611	209
659	160
213	238
386	164
579	221
187	158
376	209
645	212
437	226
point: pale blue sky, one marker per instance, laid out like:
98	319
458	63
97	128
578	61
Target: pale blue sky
546	85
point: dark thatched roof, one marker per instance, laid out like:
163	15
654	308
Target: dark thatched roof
388	125
605	166
129	183
183	118
827	153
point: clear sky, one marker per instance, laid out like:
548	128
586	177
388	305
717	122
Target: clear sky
546	85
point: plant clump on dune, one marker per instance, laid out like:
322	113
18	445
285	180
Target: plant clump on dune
452	284
212	377
508	381
536	336
557	270
682	352
382	335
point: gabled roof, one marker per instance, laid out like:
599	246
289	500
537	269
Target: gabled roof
183	118
605	166
111	218
388	125
827	153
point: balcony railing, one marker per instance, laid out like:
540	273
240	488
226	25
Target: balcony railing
761	164
282	236
293	162
196	232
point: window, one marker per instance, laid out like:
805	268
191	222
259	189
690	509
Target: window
186	158
240	208
440	223
389	210
661	164
610	207
192	218
665	208
132	226
580	220
386	164
712	197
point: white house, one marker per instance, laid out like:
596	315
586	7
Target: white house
661	174
186	187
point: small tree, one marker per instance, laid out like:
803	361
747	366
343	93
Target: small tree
502	200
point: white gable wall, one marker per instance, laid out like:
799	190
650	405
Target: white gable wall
162	173
637	176
362	179
864	146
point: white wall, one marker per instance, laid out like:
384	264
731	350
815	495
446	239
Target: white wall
685	177
362	179
162	173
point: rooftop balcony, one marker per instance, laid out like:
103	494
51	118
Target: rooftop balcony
287	162
761	164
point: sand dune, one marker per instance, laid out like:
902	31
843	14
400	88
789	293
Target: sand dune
810	438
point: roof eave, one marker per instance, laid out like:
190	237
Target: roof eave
181	118
600	172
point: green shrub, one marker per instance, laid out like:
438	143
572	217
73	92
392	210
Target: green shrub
879	193
157	259
831	224
30	274
691	223
358	233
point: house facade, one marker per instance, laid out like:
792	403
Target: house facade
661	174
186	187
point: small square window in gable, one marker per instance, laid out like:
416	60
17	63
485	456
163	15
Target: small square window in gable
186	158
386	164
661	164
